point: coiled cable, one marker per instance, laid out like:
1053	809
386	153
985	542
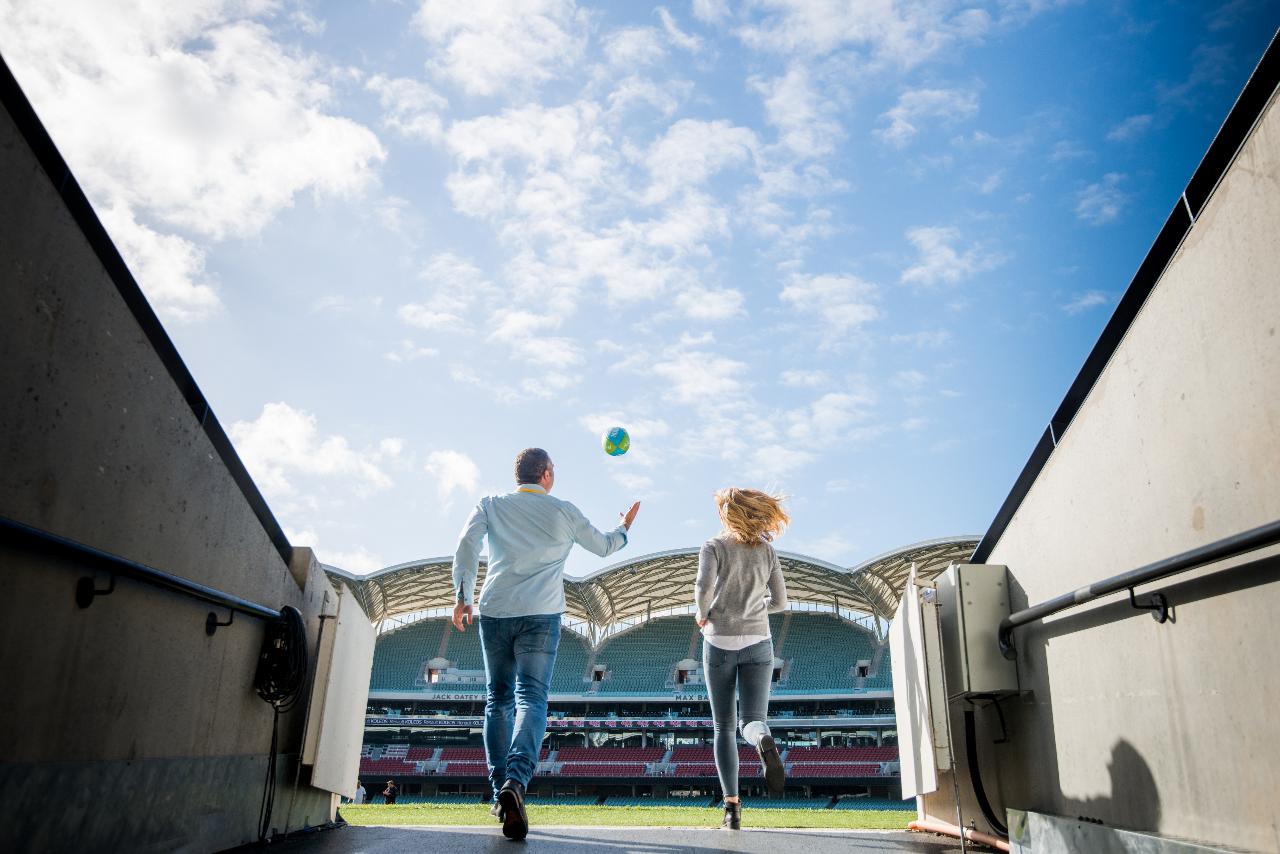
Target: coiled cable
282	671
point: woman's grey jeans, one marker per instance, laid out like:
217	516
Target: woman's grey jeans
743	675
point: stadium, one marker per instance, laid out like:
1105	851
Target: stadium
629	721
1092	673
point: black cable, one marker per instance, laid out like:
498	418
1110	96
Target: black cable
282	670
975	775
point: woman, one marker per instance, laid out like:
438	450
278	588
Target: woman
739	585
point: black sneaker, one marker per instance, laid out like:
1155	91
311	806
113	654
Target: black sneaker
732	816
774	773
515	824
496	810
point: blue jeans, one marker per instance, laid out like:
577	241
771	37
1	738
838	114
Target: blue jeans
519	654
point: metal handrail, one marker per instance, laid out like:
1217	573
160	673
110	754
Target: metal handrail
1227	547
14	531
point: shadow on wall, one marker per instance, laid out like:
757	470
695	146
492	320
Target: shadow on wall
1134	802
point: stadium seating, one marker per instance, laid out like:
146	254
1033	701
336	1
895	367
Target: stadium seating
821	648
390	767
820	803
464	648
641	660
466	754
696	769
571	664
606	769
609	754
835	769
465	768
842	754
399	655
619	801
564	800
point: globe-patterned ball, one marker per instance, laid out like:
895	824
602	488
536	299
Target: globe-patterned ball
616	442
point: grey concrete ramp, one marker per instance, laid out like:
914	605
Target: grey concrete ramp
612	840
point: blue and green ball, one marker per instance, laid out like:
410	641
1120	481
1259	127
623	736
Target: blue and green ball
616	442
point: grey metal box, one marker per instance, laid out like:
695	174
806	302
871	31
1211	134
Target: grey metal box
972	600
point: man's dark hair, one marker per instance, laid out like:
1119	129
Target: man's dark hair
530	464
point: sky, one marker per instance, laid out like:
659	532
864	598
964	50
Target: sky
851	252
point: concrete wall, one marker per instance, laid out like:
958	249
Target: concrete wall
123	726
1169	728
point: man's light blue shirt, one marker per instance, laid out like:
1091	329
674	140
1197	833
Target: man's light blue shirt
530	535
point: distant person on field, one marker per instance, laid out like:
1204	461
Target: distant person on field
530	536
360	794
391	791
739	585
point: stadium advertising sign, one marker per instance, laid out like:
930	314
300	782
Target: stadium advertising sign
629	723
553	723
405	721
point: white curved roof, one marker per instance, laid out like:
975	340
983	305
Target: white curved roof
652	583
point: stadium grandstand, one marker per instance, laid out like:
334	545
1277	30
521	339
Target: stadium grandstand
629	721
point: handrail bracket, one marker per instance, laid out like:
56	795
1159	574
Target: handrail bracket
1156	603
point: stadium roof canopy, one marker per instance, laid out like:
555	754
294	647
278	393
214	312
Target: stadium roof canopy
634	590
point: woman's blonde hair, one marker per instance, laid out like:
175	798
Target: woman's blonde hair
750	515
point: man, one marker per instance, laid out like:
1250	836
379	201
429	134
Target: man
530	536
360	793
391	791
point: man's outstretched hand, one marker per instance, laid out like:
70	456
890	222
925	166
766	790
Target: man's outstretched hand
461	612
630	515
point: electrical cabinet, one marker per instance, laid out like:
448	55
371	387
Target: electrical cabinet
972	600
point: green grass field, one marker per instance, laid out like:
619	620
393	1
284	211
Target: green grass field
597	816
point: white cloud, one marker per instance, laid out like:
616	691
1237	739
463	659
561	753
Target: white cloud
888	34
691	151
843	303
805	379
1068	149
1131	128
677	36
1086	301
489	46
833	547
453	471
358	560
710	11
700	377
804	119
638	428
915	105
170	269
636	90
521	331
710	303
777	460
454	284
184	117
927	338
412	108
1101	202
939	261
828	418
909	380
308	23
284	442
913	424
634	47
408	351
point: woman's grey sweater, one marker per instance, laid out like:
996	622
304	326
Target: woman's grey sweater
738	586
